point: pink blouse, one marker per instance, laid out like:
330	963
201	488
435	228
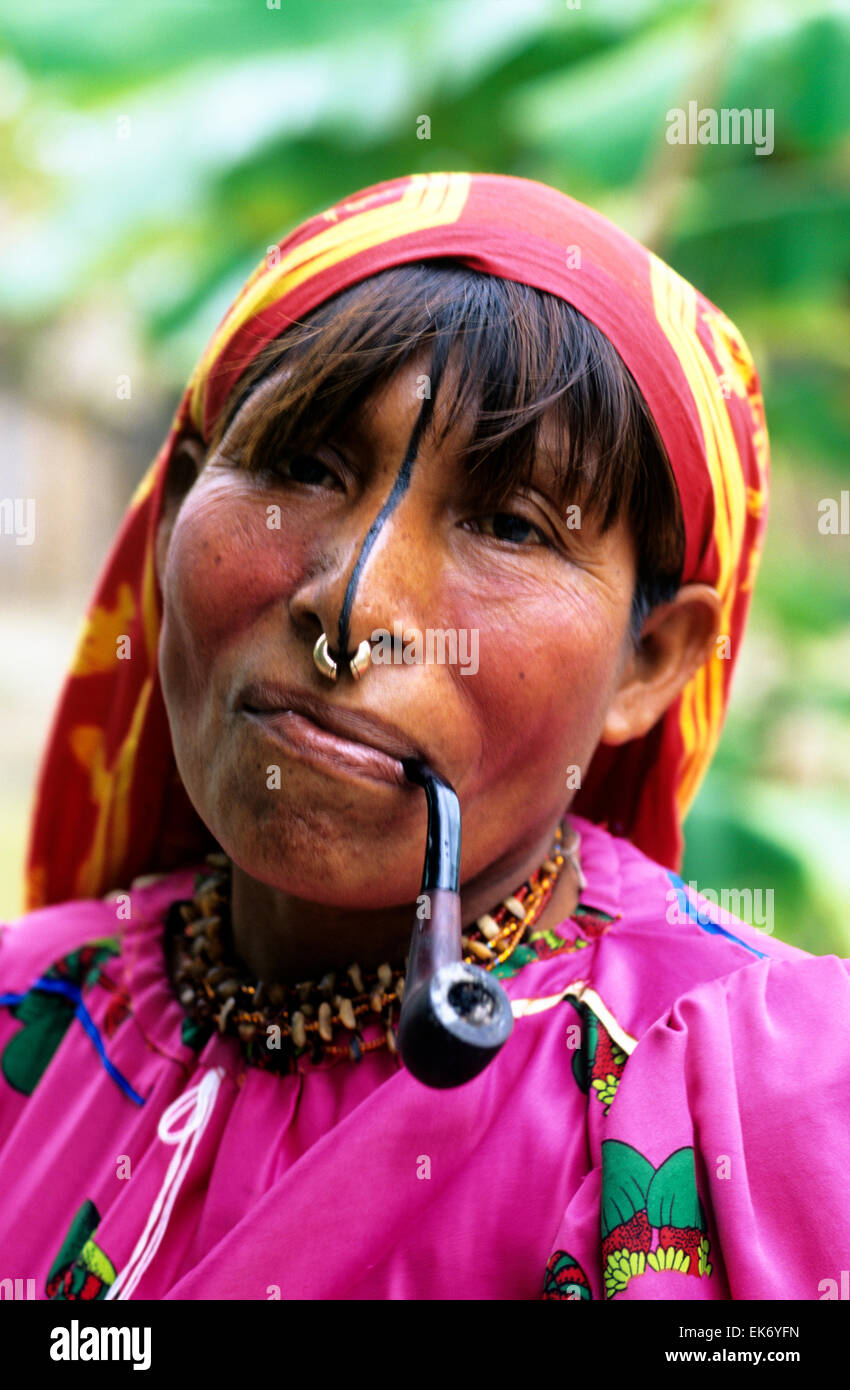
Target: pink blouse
669	1120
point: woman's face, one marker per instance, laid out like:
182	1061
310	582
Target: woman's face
257	567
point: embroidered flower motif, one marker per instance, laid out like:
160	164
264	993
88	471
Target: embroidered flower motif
638	1200
81	1270
543	945
625	1246
46	1016
621	1267
523	955
683	1238
668	1257
606	1089
565	1279
599	1063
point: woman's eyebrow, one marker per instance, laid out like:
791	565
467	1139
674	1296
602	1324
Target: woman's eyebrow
349	434
559	476
550	455
240	417
547	475
249	402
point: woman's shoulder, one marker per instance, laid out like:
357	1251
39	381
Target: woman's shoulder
776	1009
33	943
727	1144
726	1138
667	937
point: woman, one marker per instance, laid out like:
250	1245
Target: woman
456	404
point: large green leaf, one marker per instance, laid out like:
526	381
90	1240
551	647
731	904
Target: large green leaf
626	1176
671	1198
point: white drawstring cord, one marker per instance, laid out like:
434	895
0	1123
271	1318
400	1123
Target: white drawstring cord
199	1101
572	854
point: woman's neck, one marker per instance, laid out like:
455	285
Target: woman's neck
283	938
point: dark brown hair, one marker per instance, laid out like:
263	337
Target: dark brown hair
523	353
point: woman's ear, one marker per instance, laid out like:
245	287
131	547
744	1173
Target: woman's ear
676	638
186	463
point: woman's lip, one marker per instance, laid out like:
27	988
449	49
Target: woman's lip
351	725
309	740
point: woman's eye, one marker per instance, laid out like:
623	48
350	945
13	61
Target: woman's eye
304	468
508	526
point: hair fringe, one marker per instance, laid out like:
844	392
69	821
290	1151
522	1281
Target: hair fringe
523	355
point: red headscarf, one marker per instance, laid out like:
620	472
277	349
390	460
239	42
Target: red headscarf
110	805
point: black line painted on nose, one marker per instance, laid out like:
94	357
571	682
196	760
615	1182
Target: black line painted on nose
399	488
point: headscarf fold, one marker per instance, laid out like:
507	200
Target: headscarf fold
109	803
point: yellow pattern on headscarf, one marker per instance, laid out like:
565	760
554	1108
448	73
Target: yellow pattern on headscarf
430	200
109	788
702	700
146	486
97	645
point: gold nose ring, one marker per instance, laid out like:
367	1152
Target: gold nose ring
359	663
325	663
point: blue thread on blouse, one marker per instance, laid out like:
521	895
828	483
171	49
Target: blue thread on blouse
702	918
74	993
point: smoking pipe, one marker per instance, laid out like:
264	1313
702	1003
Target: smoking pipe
454	1017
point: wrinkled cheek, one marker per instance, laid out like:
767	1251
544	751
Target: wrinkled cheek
225	567
544	684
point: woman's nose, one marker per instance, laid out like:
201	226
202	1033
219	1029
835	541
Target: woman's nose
378	581
374	586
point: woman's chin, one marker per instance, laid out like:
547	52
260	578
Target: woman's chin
328	856
364	891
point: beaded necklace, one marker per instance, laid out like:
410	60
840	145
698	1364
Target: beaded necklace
276	1023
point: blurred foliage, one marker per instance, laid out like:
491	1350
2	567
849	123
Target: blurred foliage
242	119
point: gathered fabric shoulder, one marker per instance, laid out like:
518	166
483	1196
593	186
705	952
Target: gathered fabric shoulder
722	1168
718	1164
